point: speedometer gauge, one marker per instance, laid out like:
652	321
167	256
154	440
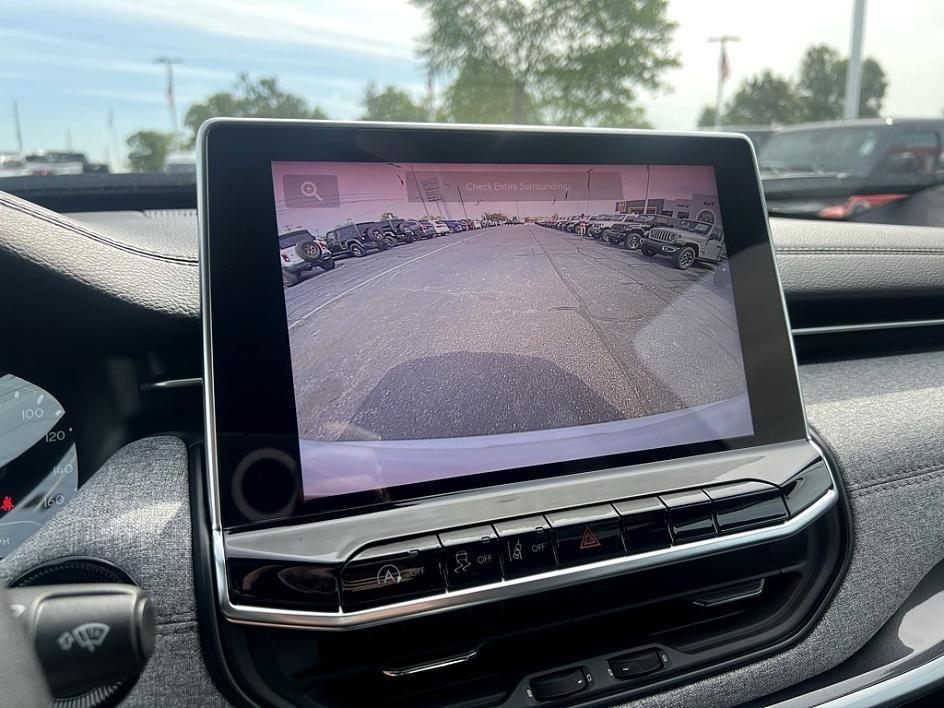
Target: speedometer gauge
38	466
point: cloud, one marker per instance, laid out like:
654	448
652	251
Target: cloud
81	61
132	95
335	25
16	33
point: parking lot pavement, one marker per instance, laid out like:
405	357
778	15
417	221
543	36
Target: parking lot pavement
505	329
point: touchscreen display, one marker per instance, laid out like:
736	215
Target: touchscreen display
448	320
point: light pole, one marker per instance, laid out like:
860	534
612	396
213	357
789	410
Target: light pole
16	128
588	190
722	71
645	206
854	72
420	192
415	182
461	200
168	63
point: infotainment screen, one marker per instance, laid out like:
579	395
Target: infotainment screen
447	319
393	313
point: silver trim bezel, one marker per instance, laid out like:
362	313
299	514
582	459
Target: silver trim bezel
246	614
866	327
883	692
165	384
529	584
432	665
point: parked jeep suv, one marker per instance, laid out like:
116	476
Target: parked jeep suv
688	243
356	239
398	231
599	226
300	251
631	232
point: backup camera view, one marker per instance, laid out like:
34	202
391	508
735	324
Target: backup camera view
455	319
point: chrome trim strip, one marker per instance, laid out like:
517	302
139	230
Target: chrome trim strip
171	383
540	582
887	691
209	408
754	590
432	665
866	327
509	588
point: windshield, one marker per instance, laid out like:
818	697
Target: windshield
696	226
830	150
123	86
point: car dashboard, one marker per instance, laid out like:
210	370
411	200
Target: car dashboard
101	426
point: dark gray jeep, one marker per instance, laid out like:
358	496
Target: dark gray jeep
686	244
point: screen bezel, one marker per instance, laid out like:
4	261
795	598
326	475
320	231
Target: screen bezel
245	325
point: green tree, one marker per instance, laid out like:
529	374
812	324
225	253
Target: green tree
707	117
485	92
821	86
147	150
249	98
763	99
581	63
391	104
874	85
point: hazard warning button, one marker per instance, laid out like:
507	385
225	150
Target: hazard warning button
586	535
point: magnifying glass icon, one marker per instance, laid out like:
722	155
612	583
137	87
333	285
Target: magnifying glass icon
310	189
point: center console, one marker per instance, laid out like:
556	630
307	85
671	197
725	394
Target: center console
514	420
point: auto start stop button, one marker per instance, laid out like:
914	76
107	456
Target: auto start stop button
391	573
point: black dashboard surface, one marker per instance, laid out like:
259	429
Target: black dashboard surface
832	274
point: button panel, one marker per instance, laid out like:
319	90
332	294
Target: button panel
558	684
690	515
392	573
470	557
746	505
587	535
526	546
489	554
645	524
640	663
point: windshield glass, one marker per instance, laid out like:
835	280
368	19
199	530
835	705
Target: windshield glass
832	150
123	86
696	226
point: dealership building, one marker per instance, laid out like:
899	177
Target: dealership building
701	207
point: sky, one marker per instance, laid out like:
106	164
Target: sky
68	64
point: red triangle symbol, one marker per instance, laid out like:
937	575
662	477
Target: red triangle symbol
588	540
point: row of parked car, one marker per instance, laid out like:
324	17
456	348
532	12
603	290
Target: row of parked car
47	162
685	241
301	251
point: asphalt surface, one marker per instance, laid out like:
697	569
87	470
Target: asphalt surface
505	329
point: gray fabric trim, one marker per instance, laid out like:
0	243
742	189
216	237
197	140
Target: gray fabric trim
884	421
135	512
